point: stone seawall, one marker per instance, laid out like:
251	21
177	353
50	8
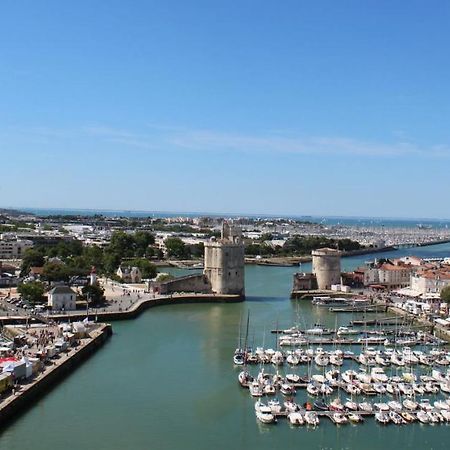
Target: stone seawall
45	381
135	310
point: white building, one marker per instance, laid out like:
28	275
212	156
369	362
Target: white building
62	298
13	248
129	274
430	281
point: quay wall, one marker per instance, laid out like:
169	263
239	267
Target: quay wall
135	310
47	380
198	283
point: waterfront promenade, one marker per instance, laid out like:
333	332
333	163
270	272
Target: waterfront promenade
123	302
54	369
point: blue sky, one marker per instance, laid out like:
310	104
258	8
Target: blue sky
293	107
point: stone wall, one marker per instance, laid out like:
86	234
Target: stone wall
191	283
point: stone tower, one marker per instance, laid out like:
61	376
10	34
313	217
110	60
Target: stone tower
224	262
326	266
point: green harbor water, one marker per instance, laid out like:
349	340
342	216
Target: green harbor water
166	381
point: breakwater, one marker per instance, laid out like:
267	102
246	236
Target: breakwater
60	368
134	311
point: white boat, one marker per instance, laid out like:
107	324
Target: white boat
336	405
396	418
382	417
423	417
425	405
332	377
365	406
351	405
290	406
265	417
377	373
410	405
326	389
269	389
322	360
244	378
311	418
345	331
355	418
446	415
349	376
435	417
255	389
296	418
312	389
292	378
275	406
287	389
339	418
352	389
379	388
395	406
364	377
336	360
264	413
293	360
392	389
277	358
440	404
381	406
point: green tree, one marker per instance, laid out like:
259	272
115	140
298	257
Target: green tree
31	258
142	240
94	294
176	248
445	294
197	250
31	292
162	277
147	269
111	262
122	244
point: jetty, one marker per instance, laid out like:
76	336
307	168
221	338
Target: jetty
52	369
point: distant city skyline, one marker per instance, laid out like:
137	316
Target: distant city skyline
304	108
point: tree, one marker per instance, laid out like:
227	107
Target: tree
176	248
197	250
31	292
122	244
162	277
142	240
31	258
147	269
94	294
445	294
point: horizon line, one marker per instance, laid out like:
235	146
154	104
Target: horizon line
234	214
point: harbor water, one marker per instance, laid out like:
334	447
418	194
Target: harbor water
166	381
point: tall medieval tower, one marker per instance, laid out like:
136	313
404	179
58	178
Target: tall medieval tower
224	262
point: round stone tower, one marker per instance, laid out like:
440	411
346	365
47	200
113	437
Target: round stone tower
224	262
326	266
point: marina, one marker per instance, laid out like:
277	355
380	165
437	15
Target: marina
149	350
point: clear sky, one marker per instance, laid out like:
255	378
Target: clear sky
288	107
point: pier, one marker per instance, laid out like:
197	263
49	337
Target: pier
25	393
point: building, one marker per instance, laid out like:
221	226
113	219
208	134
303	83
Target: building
7	275
129	274
13	248
431	281
224	262
391	274
62	298
326	266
